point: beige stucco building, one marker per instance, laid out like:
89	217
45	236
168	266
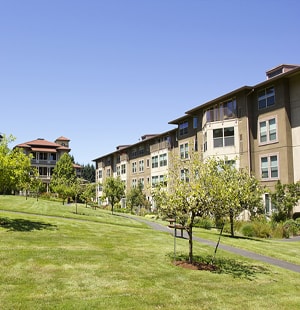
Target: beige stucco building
45	155
257	127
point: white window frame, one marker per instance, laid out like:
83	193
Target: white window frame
184	150
268	133
269	167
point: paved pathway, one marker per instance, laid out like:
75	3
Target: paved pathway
248	254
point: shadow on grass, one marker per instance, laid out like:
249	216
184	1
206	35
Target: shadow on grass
23	225
233	267
243	238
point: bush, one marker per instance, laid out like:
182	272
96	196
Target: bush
291	228
248	230
203	222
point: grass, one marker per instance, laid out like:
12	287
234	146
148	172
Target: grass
52	258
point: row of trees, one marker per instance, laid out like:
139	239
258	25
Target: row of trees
17	174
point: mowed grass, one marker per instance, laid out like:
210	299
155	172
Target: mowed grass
56	259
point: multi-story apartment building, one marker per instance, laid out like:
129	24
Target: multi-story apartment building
257	127
45	155
145	162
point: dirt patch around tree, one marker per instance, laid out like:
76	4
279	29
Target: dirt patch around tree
195	265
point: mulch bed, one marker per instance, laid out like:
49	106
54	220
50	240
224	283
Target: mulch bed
195	265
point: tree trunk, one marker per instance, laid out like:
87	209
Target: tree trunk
190	233
231	224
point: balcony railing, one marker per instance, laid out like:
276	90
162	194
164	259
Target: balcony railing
160	146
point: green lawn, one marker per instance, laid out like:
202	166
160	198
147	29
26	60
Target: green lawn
52	258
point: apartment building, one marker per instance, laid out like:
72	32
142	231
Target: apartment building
256	127
145	162
45	155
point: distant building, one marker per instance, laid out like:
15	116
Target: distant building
256	127
45	155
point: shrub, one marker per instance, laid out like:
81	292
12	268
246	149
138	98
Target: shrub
203	222
248	230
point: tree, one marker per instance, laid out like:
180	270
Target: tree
135	197
14	166
113	190
284	199
89	192
190	193
205	188
63	177
88	173
77	189
237	191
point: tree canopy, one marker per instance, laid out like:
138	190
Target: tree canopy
63	177
113	190
14	167
205	188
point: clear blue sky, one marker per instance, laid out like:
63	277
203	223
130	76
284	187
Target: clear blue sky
104	73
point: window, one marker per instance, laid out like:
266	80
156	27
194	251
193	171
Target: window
148	163
266	97
163	160
123	169
154	180
195	122
142	182
223	137
134	167
184	151
108	172
118	170
184	175
269	167
268	131
133	183
43	171
141	166
183	128
154	161
221	111
52	156
43	156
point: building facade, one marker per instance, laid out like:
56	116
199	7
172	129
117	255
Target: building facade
256	127
45	155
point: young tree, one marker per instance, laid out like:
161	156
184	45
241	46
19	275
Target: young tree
237	191
77	189
89	192
285	198
135	197
191	191
113	190
63	177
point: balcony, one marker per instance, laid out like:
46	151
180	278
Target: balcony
160	146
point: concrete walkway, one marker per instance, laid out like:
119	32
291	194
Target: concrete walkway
228	248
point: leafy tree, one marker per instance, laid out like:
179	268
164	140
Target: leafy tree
237	191
191	191
285	198
88	173
113	190
14	166
89	192
135	197
205	188
63	177
77	189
